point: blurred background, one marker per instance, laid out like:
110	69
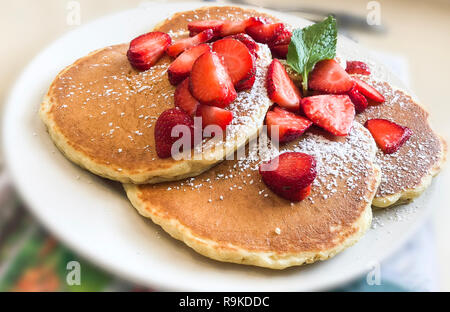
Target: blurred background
410	36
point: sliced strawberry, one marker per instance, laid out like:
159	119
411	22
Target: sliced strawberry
280	51
358	100
265	33
238	60
184	99
245	84
290	126
357	67
368	91
163	130
284	37
289	174
330	77
196	27
180	45
388	135
251	44
281	88
209	81
147	49
181	67
334	113
238	27
212	115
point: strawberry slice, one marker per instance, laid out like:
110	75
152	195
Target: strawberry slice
163	131
357	67
245	84
281	88
209	81
184	99
251	45
289	174
358	100
223	28
212	115
265	33
180	45
196	27
290	126
284	37
280	51
368	91
334	113
181	67
237	27
388	135
238	60
147	49
330	77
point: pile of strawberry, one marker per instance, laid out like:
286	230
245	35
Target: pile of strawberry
335	98
218	60
215	62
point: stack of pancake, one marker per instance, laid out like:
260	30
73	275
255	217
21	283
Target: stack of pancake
101	114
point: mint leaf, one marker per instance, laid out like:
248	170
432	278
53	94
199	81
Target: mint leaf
311	45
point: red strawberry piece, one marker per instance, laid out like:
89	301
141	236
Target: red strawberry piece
163	130
209	81
388	135
281	88
237	27
251	45
181	67
303	193
284	37
368	91
358	100
147	49
180	45
238	60
280	51
289	174
184	99
212	115
245	84
196	27
265	33
334	113
330	77
290	126
357	67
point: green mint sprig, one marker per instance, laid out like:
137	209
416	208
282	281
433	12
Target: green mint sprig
310	45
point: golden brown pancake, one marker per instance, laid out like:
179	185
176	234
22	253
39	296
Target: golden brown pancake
228	214
409	171
101	112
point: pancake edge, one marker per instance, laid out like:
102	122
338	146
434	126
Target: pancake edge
410	194
239	255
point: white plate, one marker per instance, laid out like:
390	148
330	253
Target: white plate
93	216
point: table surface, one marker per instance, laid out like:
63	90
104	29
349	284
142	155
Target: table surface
416	30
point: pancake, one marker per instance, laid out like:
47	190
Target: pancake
228	213
409	171
100	112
